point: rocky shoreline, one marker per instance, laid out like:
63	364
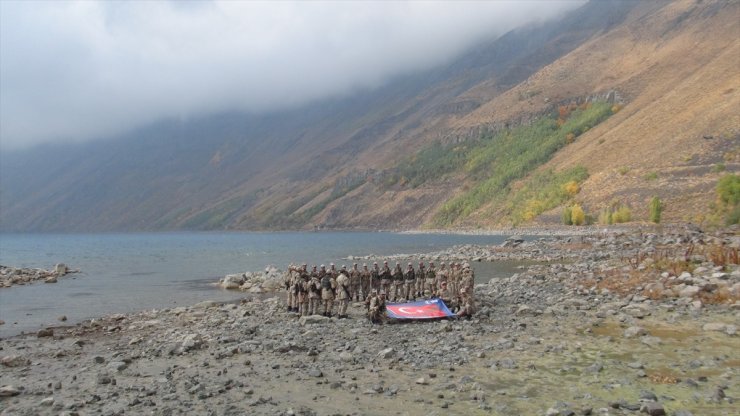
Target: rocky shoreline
12	276
617	323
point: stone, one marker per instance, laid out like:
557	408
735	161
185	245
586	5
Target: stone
714	326
345	356
689	291
45	333
594	368
9	391
650	341
47	401
15	361
98	359
104	379
387	353
117	365
313	319
60	269
525	310
315	372
422	381
653	409
51	279
634	331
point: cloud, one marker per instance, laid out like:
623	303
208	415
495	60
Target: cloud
81	70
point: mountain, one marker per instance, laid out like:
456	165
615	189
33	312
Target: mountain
667	70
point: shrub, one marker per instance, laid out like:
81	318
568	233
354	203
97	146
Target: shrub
566	217
623	170
728	196
651	176
571	188
622	214
605	217
656	209
577	216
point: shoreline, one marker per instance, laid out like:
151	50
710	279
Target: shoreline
592	336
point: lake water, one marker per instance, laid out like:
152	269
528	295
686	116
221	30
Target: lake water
127	272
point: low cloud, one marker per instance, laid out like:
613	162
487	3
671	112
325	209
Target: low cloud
82	70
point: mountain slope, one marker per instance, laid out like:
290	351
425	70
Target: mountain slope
673	64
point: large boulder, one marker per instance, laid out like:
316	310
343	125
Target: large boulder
232	281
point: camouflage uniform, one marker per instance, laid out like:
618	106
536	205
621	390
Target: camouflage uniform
365	282
444	294
343	293
328	284
289	281
385	279
375	277
452	278
467	281
420	275
375	307
314	291
430	281
397	282
441	275
409	282
354	283
302	284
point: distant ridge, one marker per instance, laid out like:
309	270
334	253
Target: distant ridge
672	67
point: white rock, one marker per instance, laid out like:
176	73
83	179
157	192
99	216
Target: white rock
635	331
689	291
8	391
387	353
714	326
312	319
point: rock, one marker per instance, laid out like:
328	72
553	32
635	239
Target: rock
9	391
45	333
62	318
650	341
117	365
422	381
47	401
51	279
313	319
60	269
232	281
98	359
731	330
634	331
387	353
525	310
594	368
653	409
103	378
345	356
689	291
15	361
315	372
714	326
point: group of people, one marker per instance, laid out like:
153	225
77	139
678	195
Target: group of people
316	292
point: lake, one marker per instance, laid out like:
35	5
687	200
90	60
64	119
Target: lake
126	272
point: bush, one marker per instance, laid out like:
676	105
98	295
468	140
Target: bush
571	188
566	217
656	209
622	214
577	215
651	176
605	217
728	196
623	170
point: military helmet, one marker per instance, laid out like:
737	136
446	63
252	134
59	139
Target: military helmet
323	267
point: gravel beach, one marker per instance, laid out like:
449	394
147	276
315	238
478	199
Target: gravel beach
620	323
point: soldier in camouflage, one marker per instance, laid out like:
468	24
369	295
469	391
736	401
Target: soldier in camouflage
397	278
354	283
365	282
409	283
385	279
420	275
328	285
343	292
314	291
430	281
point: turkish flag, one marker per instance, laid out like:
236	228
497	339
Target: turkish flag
424	309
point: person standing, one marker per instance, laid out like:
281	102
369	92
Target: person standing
354	283
397	282
343	293
314	292
430	281
375	277
328	285
420	275
365	282
409	283
385	279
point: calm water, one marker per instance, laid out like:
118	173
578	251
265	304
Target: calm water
127	272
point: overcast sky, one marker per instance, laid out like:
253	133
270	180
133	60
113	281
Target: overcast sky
81	70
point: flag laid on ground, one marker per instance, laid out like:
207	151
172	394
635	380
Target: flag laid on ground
423	309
